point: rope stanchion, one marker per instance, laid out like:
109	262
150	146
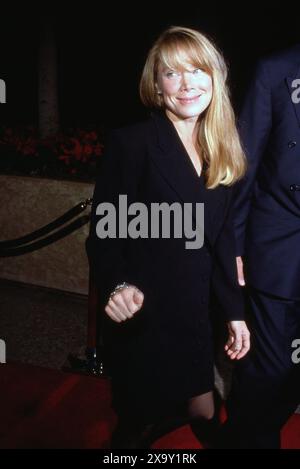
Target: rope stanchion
62	233
73	212
93	365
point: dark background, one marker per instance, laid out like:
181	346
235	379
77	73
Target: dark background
102	48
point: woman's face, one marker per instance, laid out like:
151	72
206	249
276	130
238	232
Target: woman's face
186	93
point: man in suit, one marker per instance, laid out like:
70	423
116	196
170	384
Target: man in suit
265	389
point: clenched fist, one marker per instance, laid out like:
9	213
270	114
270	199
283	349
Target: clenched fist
124	303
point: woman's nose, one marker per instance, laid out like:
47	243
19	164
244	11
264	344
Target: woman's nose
187	81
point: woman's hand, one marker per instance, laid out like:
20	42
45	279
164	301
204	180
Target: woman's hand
238	343
124	303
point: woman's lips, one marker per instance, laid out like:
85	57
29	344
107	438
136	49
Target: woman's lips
189	100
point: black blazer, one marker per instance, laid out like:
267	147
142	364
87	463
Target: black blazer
268	200
149	163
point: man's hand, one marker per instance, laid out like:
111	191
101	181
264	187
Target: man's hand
238	343
124	303
240	270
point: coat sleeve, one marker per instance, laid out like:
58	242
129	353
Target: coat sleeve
226	291
116	176
255	122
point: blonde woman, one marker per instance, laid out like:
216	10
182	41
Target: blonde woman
156	290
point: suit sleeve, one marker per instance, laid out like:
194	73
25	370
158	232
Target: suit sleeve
254	126
116	175
227	293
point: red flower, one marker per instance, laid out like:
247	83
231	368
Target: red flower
74	151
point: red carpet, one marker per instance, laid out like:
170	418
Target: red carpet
43	408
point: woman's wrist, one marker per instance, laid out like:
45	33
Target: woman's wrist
119	287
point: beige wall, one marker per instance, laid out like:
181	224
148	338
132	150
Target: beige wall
26	205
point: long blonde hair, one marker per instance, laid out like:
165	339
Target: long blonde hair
217	137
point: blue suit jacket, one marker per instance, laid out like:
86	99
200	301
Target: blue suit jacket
267	218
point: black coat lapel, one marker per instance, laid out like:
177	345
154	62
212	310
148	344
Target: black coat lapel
171	159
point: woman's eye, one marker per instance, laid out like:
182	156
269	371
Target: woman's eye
197	71
172	74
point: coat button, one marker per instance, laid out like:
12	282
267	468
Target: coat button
292	144
294	187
